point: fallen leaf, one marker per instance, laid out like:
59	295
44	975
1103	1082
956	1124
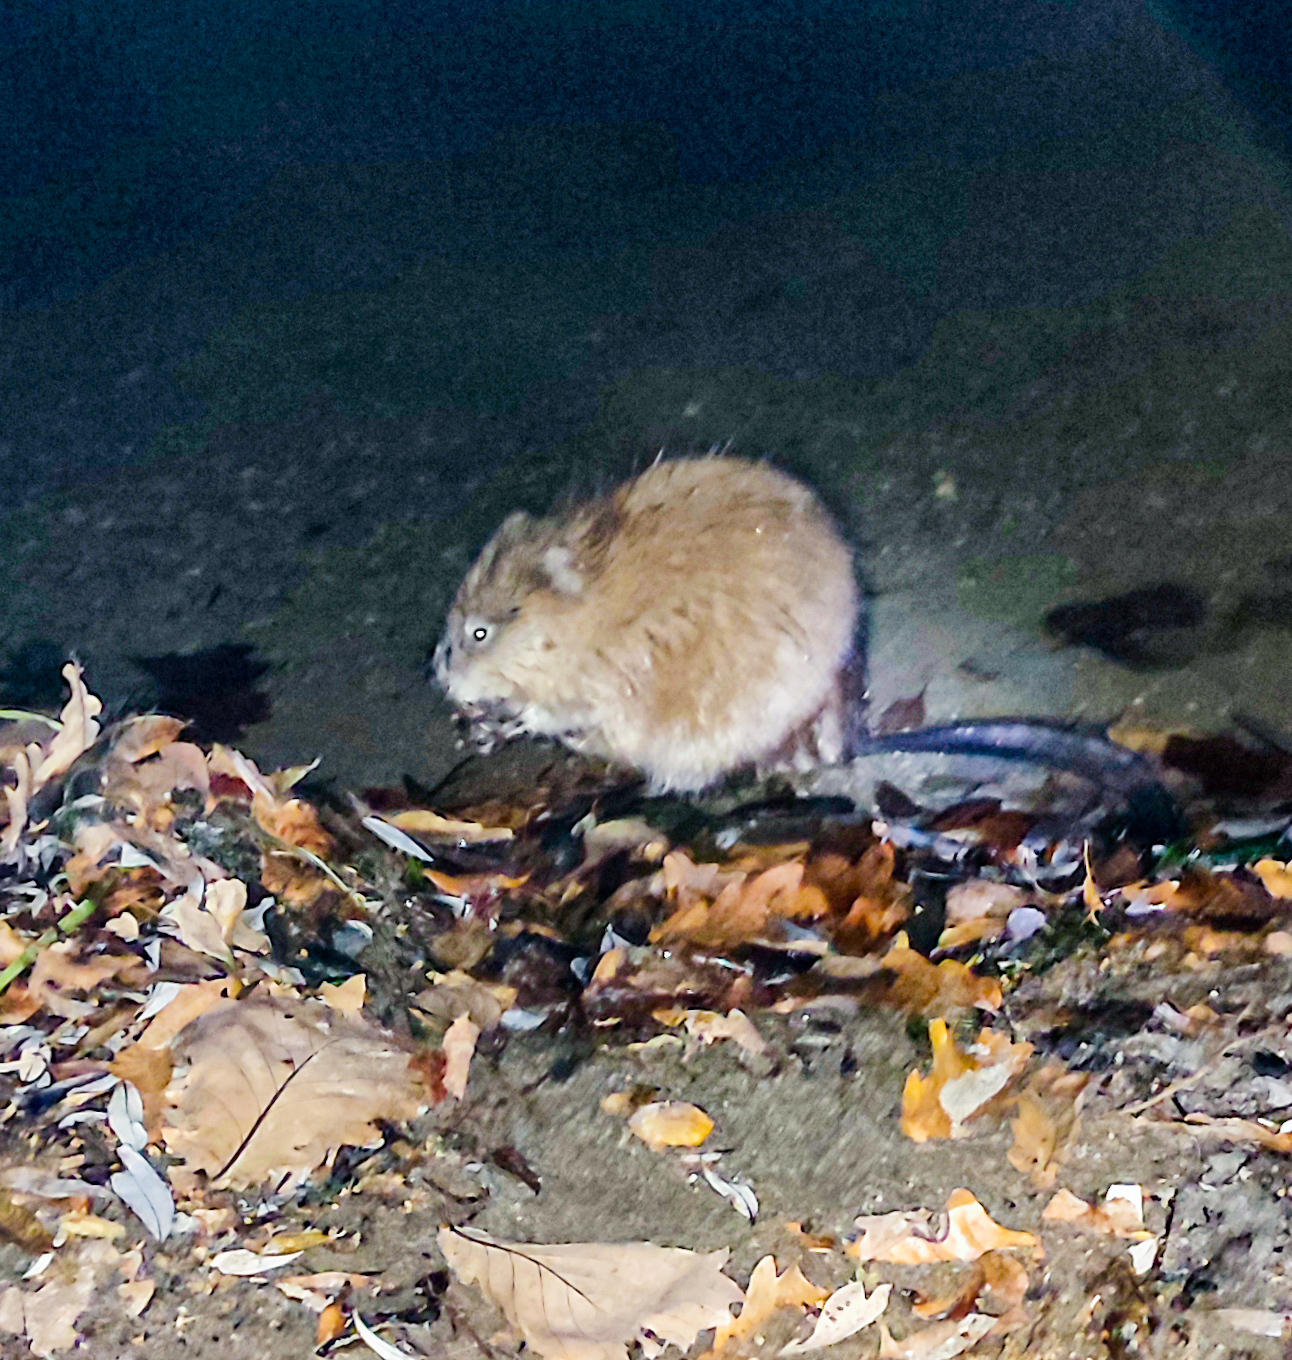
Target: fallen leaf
941	1341
670	1123
910	1238
767	1293
960	1084
743	909
346	997
846	1312
996	1284
941	989
332	1322
1120	1215
1240	1131
379	1346
240	1261
459	1046
78	729
52	1311
78	1223
136	1295
711	1027
430	824
12	1322
59	971
184	1005
270	1086
1276	875
1047	1124
21	1227
458	993
587	1301
139	1186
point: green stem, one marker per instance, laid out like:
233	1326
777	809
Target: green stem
24	715
74	918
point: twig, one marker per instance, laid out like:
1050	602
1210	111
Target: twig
309	857
74	918
1184	1083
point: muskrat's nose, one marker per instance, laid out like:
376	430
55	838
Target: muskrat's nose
442	658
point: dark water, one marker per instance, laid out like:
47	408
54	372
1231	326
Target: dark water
278	280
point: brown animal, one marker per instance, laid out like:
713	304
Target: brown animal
698	619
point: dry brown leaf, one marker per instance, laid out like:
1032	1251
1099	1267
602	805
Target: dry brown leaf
846	1312
960	1084
588	1300
1047	1124
910	1238
52	1311
941	1341
670	1123
423	822
743	909
346	997
935	989
192	999
1120	1215
140	737
78	729
1240	1131
996	1284
767	1293
12	1322
136	1295
58	972
332	1322
149	1069
459	1047
711	1027
458	993
1275	875
268	1086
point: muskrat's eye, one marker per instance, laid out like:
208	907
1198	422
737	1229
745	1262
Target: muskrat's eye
480	633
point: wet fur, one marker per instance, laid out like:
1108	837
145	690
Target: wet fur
696	620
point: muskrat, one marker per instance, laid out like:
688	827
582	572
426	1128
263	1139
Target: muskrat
701	618
698	619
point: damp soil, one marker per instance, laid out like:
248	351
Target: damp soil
812	1126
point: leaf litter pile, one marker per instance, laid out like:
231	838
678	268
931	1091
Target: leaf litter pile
585	1072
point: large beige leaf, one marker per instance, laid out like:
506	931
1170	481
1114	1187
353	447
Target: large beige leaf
78	728
588	1300
267	1086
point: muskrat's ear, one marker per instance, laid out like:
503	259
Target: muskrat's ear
562	571
511	531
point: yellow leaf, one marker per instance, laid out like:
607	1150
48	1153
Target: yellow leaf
671	1123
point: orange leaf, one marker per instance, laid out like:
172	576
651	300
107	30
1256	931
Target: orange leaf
767	1294
909	1239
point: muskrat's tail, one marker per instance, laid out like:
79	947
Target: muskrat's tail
1083	750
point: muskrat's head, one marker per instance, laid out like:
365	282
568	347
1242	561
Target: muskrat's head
495	659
